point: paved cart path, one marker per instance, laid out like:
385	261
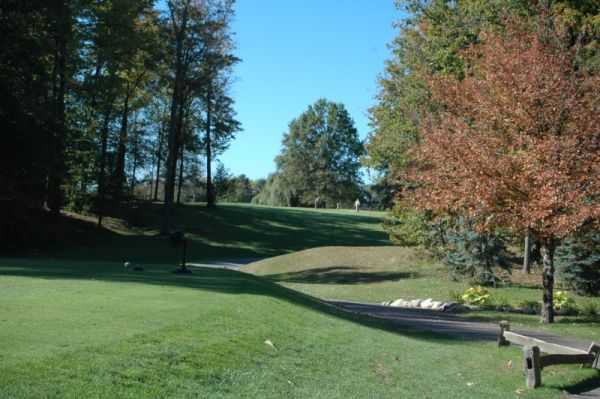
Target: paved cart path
433	321
451	324
233	264
454	325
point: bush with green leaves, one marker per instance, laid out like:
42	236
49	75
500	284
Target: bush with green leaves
590	309
410	227
563	303
578	263
477	296
456	296
406	226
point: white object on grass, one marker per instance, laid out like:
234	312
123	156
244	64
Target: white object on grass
271	344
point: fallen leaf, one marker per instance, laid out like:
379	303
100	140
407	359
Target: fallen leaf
271	344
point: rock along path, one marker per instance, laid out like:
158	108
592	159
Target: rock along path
430	320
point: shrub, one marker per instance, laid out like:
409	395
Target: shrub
405	226
477	296
563	303
456	296
590	309
475	255
530	307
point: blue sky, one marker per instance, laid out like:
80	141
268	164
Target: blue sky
295	52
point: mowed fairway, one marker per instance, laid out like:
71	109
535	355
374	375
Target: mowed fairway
231	231
92	330
377	274
82	326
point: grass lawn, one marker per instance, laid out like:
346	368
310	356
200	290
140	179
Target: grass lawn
93	330
230	231
377	274
75	324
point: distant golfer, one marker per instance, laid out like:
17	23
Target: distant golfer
317	200
357	205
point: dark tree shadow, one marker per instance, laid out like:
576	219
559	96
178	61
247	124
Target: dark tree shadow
233	282
339	275
226	232
208	279
583	388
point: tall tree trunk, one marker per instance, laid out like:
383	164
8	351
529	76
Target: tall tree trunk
526	252
102	168
158	159
171	157
210	192
57	147
547	250
133	170
181	161
135	154
176	103
182	129
536	253
119	172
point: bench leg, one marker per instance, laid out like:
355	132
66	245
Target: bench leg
595	350
504	326
532	366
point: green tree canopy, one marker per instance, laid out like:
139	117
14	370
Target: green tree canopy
320	157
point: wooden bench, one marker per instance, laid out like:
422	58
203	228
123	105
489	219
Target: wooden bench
538	354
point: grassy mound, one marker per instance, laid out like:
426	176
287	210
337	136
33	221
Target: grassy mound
83	330
369	274
377	274
342	265
230	231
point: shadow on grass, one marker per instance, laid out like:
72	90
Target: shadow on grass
228	231
339	275
207	279
584	387
231	282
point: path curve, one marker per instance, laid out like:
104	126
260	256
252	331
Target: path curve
450	324
454	325
232	264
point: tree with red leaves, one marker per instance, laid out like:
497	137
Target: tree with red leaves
517	143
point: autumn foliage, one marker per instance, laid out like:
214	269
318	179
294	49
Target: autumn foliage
517	143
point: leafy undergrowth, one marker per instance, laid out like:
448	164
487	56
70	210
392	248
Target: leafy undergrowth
377	274
95	330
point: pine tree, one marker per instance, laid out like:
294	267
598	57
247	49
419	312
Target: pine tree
475	254
578	263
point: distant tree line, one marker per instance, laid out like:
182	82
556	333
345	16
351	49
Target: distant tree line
486	127
97	95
